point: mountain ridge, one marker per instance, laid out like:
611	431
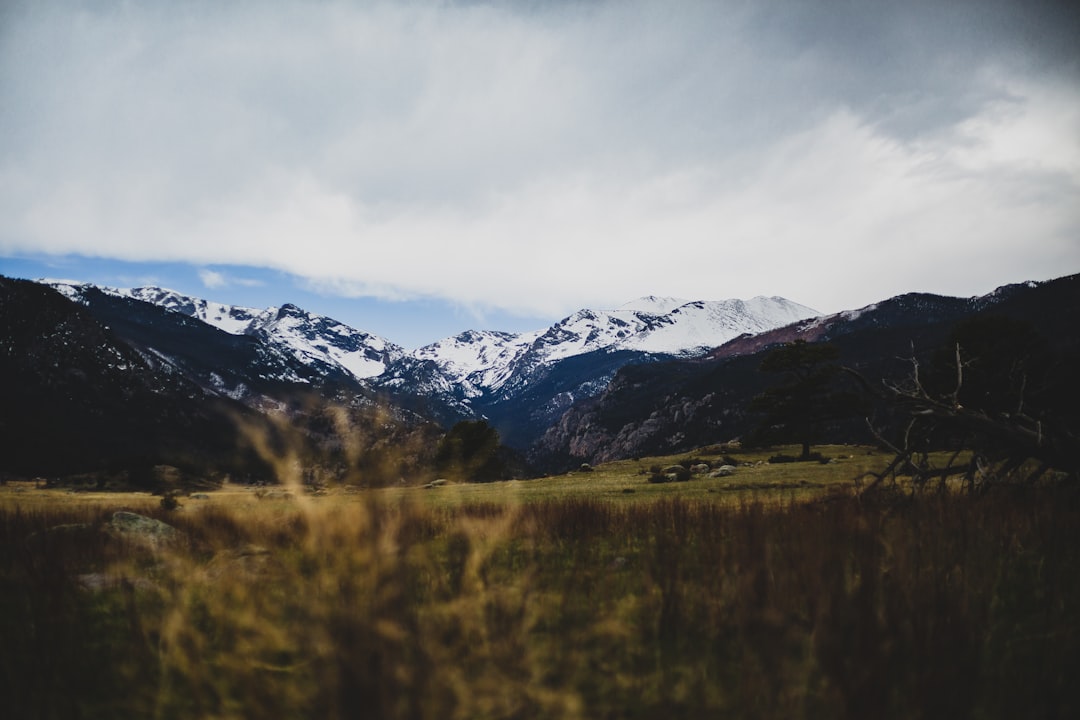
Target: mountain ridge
521	382
480	360
681	404
595	385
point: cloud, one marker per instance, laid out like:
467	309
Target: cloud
212	279
541	158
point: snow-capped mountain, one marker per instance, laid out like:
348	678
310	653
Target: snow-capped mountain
314	340
671	407
150	375
99	382
486	361
482	361
668	325
521	382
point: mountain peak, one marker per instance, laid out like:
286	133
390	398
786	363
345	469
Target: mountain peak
654	304
314	340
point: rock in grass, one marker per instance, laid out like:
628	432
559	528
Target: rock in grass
723	471
141	530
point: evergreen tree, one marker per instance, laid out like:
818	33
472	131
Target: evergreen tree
805	399
470	451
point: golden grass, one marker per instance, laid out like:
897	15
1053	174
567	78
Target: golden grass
560	597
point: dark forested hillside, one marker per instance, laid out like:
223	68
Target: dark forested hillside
77	398
119	386
677	405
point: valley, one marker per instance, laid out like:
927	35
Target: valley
221	519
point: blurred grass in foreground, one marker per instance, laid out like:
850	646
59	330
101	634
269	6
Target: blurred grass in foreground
664	603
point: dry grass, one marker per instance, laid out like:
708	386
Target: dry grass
563	597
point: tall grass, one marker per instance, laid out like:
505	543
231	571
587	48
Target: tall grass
938	607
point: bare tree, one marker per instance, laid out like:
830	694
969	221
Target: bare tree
986	442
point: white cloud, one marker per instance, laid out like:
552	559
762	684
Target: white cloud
212	279
538	159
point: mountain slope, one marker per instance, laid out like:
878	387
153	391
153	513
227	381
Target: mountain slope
681	404
75	397
523	382
664	326
111	384
324	344
465	374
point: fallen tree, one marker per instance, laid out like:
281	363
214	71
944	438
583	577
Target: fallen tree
1000	407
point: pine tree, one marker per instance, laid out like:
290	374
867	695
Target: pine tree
805	400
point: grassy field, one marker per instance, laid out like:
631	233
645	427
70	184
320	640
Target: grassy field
755	480
775	592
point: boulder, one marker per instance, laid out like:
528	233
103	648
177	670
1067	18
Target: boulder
141	530
723	471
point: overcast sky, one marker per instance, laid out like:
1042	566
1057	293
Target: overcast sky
534	158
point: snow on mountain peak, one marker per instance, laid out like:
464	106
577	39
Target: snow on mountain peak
312	339
653	304
480	361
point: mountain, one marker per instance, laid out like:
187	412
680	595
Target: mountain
524	382
76	397
160	376
240	366
680	404
95	381
485	361
322	343
521	382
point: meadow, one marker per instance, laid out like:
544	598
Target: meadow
780	591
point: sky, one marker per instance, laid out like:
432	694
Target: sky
420	168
